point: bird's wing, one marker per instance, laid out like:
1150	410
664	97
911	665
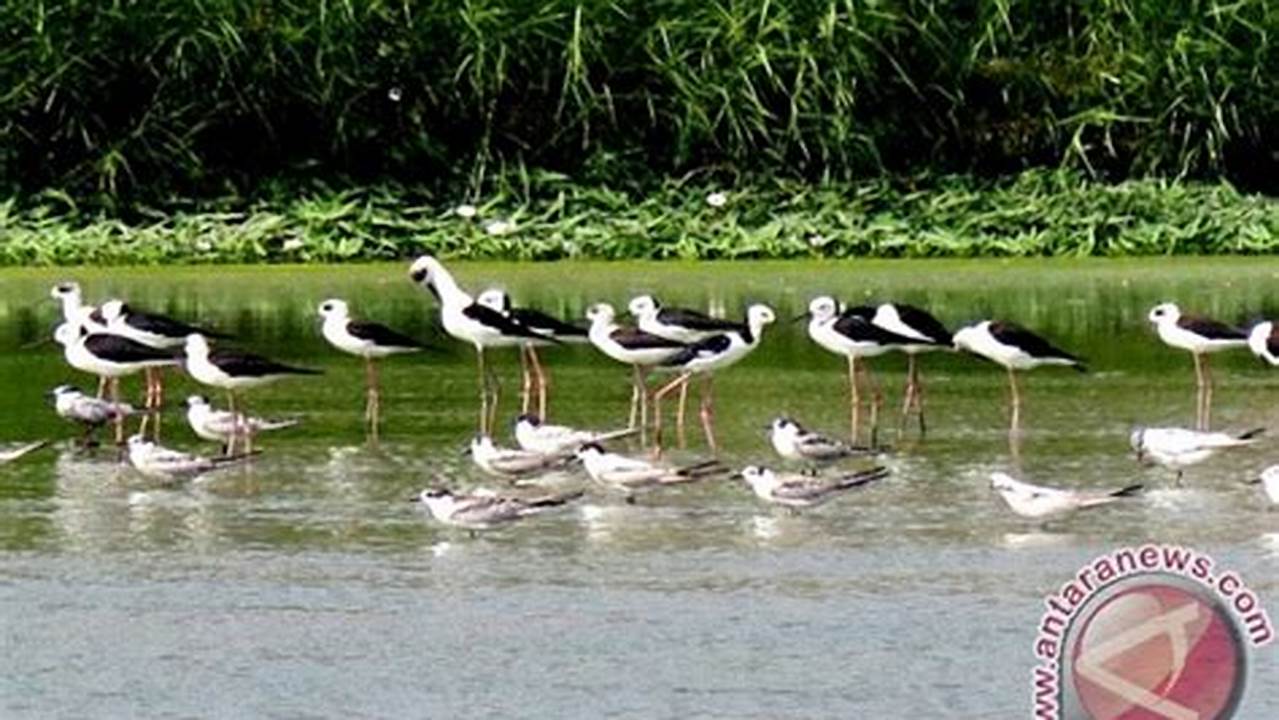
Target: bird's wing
248	364
1027	341
709	347
802	489
636	339
924	323
381	335
121	349
486	509
543	323
694	320
820	446
1211	329
161	325
854	324
491	318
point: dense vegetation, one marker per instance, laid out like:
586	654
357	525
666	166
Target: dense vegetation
227	130
549	217
149	100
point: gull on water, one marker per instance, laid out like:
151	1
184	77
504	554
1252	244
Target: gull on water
486	510
795	491
214	425
511	462
533	434
631	475
1179	448
13	451
793	442
70	403
158	461
1037	501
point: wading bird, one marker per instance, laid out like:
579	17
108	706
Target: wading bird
632	346
1015	348
486	510
852	334
1179	448
703	358
155	460
533	434
234	371
109	357
1036	501
369	340
795	491
70	403
793	442
1200	336
468	321
512	462
536	381
629	475
220	426
923	333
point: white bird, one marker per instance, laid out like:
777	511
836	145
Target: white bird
1036	501
796	491
233	371
485	511
704	358
369	340
158	461
1015	348
631	475
533	434
852	333
632	346
209	423
482	327
1269	481
70	403
511	462
1179	448
13	451
1200	336
793	442
536	379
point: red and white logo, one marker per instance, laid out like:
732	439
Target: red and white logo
1155	650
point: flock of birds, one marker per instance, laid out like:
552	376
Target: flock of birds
113	340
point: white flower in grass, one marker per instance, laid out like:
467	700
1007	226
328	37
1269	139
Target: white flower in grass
394	94
293	244
717	199
466	212
203	245
817	240
499	227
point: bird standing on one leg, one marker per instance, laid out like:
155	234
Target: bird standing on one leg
1200	336
369	340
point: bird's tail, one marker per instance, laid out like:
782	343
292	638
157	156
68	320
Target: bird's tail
702	469
229	459
1128	491
615	434
863	477
268	425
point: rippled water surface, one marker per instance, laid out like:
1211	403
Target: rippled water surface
306	586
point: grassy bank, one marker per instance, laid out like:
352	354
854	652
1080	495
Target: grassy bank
545	217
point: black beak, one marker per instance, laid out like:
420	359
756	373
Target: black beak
37	343
465	451
736	476
1253	481
415	498
803	316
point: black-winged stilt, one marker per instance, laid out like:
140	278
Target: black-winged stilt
369	340
110	357
926	334
233	371
1263	340
535	380
468	321
704	358
852	334
1200	336
634	347
1015	348
153	330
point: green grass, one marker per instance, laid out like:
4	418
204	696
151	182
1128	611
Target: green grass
549	217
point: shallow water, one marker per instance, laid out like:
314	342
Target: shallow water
305	585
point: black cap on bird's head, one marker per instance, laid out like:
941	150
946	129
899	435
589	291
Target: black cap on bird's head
529	418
